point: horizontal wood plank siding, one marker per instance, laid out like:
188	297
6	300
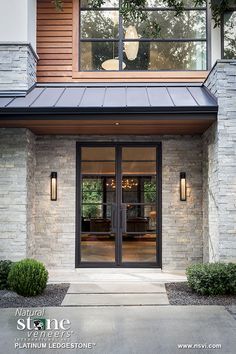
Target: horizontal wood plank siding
54	41
58	51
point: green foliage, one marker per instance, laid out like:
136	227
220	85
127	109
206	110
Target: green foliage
5	267
149	191
133	9
229	36
212	278
92	195
58	4
218	8
28	277
97	3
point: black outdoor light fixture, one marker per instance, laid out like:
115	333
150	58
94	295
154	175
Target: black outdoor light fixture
183	189
53	186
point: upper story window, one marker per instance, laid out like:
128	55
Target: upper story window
108	43
229	35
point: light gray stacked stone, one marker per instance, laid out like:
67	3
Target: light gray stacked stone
14	155
32	225
55	221
220	167
182	221
17	66
30	181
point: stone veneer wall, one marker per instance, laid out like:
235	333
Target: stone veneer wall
30	180
220	166
17	66
55	221
210	196
182	221
14	193
33	225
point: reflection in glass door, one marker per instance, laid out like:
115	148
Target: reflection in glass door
139	204
98	204
118	205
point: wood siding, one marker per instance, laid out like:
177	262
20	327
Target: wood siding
57	48
54	42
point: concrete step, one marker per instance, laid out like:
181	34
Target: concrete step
94	275
115	299
116	287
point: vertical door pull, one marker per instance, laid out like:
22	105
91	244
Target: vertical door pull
113	217
123	218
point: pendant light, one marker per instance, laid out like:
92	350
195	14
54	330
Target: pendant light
131	48
113	64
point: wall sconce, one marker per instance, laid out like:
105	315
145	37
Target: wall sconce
183	188
54	186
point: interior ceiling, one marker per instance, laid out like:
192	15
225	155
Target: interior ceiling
118	126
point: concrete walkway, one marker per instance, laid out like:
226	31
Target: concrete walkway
115	286
116	294
127	330
90	275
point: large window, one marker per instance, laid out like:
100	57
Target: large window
229	35
108	43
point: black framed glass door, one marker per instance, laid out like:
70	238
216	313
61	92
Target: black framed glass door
118	205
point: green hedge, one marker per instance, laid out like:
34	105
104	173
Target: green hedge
28	277
5	267
212	278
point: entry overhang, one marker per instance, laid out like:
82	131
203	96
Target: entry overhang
110	109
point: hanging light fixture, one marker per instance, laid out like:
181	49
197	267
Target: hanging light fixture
127	183
183	188
131	48
54	186
112	64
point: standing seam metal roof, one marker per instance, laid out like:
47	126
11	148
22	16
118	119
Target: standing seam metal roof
122	97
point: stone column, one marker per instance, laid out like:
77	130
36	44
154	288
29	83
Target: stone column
18	58
219	206
17	165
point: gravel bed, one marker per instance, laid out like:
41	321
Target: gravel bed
53	295
181	294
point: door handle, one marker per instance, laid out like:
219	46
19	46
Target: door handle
113	217
123	218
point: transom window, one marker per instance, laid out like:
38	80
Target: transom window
229	35
109	43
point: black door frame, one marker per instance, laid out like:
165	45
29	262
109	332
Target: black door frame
118	240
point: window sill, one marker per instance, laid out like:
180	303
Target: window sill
141	76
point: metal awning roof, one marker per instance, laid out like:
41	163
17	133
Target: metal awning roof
110	99
110	109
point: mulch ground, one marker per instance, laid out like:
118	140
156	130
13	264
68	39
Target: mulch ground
181	294
53	295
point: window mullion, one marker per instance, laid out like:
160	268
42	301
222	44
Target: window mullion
120	46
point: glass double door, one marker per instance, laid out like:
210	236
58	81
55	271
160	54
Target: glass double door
117	205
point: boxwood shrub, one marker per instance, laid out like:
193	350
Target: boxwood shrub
5	267
212	278
28	277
